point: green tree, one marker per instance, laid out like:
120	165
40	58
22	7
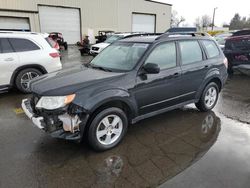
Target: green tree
235	22
239	22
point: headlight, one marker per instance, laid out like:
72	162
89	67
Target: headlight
52	103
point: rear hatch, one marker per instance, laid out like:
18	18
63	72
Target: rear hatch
237	50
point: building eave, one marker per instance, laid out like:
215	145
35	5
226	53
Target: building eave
152	1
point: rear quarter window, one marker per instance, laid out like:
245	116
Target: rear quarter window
211	48
23	45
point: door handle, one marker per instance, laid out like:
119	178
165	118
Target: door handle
175	75
207	66
9	59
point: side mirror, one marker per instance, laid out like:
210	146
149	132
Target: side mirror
151	68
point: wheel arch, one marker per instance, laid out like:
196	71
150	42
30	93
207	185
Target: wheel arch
115	102
215	79
118	103
34	66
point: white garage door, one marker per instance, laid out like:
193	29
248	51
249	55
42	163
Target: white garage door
143	23
63	20
16	24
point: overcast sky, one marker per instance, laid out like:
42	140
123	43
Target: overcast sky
191	9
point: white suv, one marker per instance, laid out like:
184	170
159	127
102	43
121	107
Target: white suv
24	56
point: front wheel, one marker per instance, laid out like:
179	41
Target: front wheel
107	129
208	98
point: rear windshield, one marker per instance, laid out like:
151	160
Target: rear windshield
182	29
51	42
113	38
240	44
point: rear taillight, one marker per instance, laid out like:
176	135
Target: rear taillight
225	62
54	55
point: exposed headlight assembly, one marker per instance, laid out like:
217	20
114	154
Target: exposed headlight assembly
54	102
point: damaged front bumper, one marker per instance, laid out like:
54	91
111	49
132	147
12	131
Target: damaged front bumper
64	125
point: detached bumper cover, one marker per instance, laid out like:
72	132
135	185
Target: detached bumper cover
38	121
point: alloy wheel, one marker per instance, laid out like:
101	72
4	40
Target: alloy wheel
109	129
26	78
211	97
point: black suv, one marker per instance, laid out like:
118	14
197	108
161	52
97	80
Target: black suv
130	80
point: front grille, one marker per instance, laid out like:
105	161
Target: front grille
95	48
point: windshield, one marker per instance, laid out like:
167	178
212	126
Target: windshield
221	41
113	38
120	56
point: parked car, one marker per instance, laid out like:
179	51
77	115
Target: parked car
25	56
103	35
237	51
97	48
131	80
221	39
58	37
181	29
242	32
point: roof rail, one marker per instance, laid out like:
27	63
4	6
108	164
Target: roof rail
18	32
143	34
179	34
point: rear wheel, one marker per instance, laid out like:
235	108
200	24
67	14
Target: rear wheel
107	129
208	98
65	45
24	77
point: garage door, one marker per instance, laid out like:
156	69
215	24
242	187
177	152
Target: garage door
143	23
63	20
14	24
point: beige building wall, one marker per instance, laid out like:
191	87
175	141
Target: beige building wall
95	14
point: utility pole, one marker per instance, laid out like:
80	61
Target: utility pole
214	18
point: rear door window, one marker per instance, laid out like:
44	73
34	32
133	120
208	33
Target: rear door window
23	45
5	46
164	56
190	52
211	48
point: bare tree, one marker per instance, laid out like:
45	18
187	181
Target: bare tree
176	20
205	21
198	23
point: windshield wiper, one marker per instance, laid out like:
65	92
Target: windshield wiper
99	67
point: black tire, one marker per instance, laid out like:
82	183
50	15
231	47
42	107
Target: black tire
92	131
230	70
20	75
201	105
65	45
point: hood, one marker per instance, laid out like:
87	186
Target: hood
101	45
69	81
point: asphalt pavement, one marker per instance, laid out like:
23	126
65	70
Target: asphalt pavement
181	148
